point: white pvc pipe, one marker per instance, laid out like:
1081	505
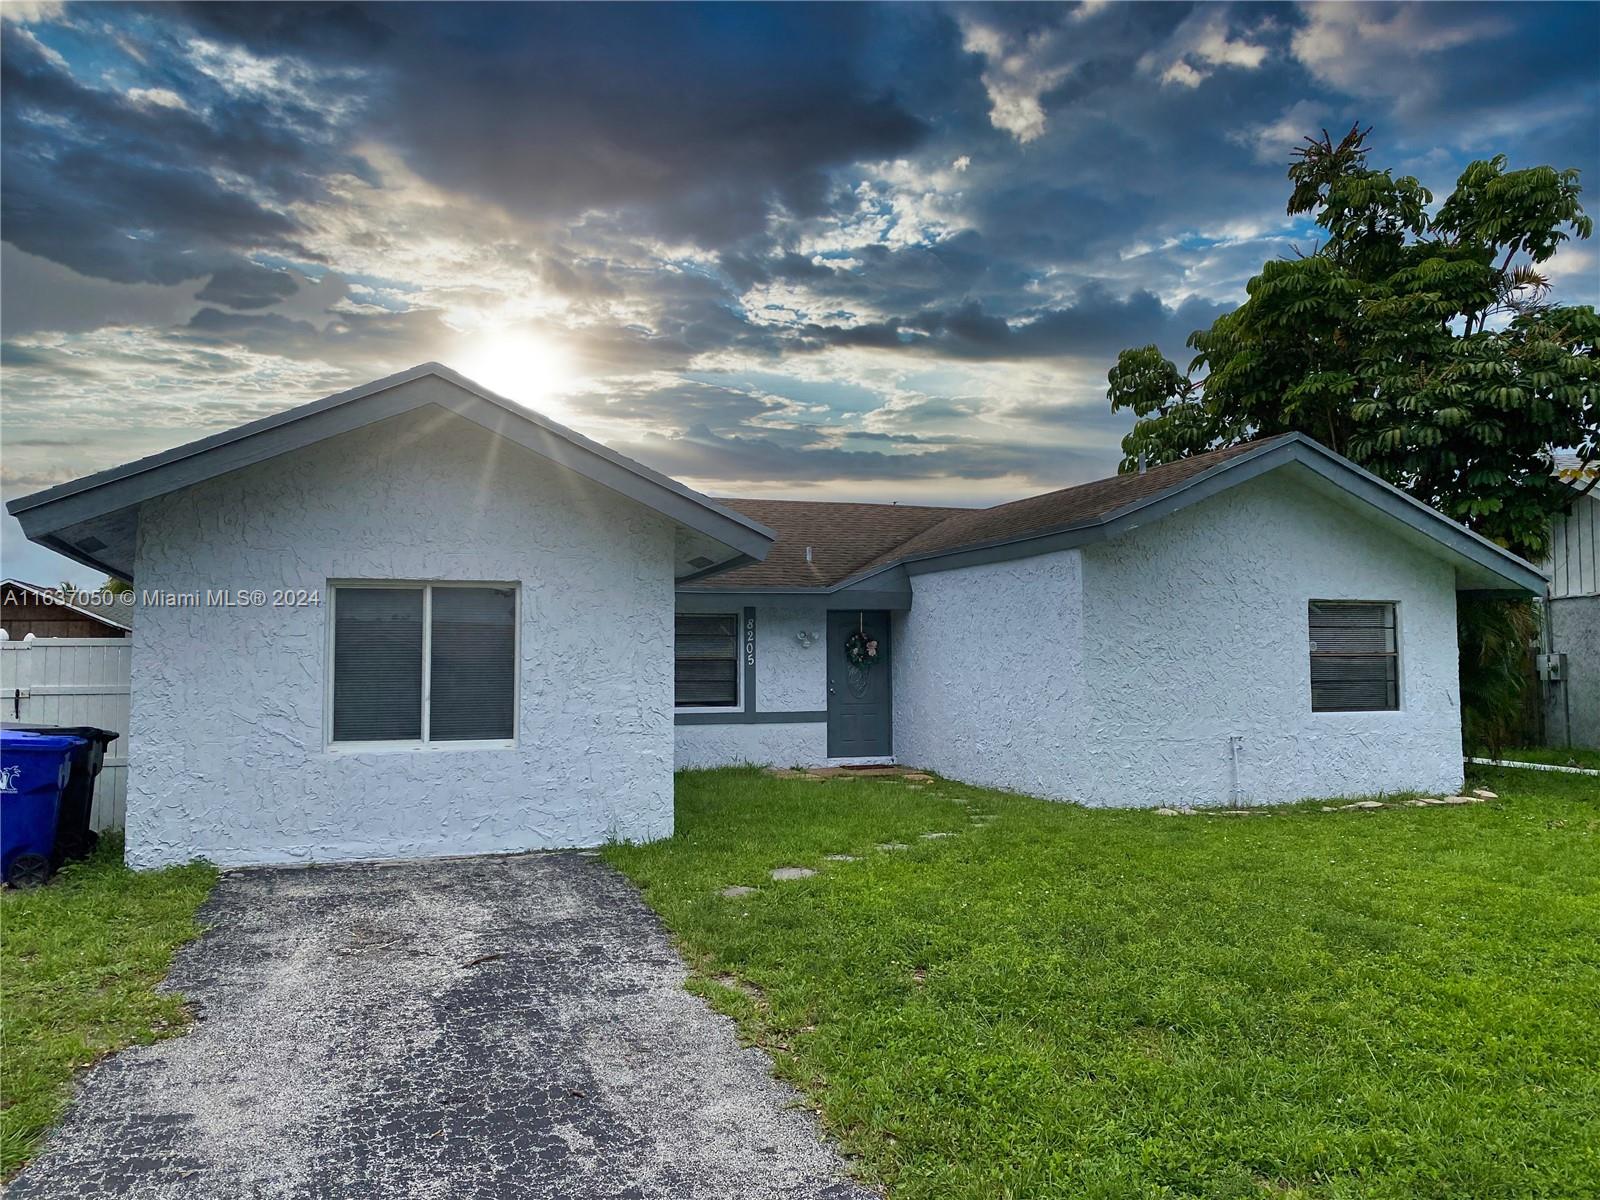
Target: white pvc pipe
1531	766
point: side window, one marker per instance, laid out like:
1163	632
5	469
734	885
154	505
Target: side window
1355	662
706	660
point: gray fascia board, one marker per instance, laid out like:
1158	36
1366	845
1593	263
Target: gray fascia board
1522	577
736	716
743	560
257	441
740	717
713	600
202	445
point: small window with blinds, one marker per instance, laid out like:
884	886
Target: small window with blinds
1355	666
707	660
424	663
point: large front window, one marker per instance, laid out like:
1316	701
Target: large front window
707	660
424	663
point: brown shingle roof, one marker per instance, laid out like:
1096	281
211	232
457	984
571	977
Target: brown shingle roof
847	539
843	538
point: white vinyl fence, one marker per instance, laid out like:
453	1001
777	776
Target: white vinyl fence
75	681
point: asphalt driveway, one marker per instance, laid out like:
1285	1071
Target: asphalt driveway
490	1027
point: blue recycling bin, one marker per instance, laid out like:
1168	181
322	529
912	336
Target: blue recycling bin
34	768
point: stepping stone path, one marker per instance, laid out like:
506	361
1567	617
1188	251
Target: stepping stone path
734	893
783	873
893	846
931	836
841	858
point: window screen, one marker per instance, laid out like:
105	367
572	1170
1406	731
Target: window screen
383	667
707	660
471	690
1354	665
377	664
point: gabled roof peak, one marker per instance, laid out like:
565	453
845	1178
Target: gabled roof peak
72	518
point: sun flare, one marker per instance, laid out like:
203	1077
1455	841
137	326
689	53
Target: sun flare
530	370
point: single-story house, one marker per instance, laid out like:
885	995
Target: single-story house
28	608
416	619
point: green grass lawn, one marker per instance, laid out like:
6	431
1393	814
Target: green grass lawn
1397	1003
1569	757
79	961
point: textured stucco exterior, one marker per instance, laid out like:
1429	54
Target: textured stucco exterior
1116	674
1196	630
802	744
228	749
789	678
1572	707
988	673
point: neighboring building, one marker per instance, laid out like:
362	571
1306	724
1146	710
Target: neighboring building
1572	613
467	644
27	608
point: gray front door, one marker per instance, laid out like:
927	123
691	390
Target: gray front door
859	698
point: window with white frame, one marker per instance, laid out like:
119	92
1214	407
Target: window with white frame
424	662
706	660
1355	661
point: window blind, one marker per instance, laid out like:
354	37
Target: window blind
706	660
472	679
377	664
1354	660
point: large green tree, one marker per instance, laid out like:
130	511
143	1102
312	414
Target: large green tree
1418	340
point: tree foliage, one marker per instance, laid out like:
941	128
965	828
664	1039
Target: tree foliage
1419	341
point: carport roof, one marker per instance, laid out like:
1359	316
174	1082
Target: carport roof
92	519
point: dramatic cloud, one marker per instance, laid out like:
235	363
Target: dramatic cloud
874	251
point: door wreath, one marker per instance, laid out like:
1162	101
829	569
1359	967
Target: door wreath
859	649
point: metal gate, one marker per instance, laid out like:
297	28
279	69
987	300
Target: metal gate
75	681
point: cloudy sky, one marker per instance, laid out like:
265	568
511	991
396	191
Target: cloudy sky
836	252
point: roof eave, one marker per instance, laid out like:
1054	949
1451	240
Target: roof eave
43	513
1519	576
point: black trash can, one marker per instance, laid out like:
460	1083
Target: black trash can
74	838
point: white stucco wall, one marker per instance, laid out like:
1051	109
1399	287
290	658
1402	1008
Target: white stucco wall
764	745
988	673
1196	629
227	741
1116	675
789	678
